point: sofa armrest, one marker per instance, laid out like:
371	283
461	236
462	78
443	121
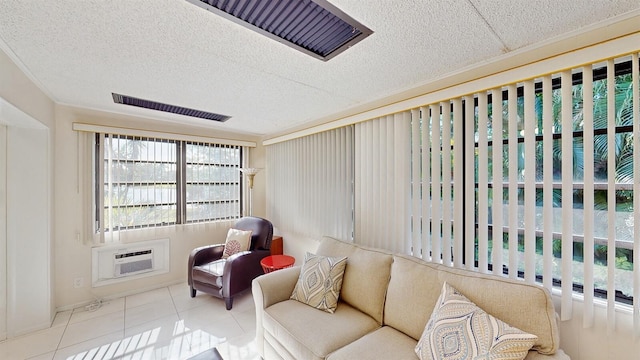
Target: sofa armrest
274	287
270	289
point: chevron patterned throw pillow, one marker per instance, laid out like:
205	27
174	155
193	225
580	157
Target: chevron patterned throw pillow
320	282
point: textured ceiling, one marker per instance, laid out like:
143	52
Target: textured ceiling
80	51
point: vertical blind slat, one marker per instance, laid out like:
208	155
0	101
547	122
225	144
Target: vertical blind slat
436	214
483	189
587	106
402	161
458	176
611	195
380	183
387	190
567	195
446	182
497	180
469	188
530	125
426	184
513	180
547	173
100	180
415	182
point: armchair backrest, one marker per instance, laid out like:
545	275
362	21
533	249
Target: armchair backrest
262	231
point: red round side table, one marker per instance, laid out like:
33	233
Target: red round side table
276	262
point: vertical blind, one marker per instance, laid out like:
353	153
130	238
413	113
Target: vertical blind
382	178
533	180
310	184
540	177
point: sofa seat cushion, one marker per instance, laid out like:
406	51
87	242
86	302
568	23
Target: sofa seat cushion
309	333
384	343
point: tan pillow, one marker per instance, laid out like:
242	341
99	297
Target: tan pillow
320	282
458	329
237	241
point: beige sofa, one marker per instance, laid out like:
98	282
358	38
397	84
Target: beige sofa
385	302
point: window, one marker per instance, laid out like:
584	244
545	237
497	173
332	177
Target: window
212	179
533	180
147	182
600	176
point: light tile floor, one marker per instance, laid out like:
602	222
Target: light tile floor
160	324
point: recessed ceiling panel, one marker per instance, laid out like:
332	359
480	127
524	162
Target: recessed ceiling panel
316	27
153	105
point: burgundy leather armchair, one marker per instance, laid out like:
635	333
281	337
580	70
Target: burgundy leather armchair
225	278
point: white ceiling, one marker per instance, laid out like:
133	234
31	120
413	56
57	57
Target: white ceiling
171	51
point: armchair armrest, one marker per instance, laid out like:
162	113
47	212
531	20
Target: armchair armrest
240	269
203	255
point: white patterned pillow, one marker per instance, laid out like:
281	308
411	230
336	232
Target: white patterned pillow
320	282
458	329
237	241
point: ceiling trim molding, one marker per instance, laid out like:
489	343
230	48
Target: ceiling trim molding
489	75
158	134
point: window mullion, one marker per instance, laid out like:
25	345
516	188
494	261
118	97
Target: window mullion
181	169
513	180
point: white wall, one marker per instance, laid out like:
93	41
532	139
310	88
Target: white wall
29	288
597	343
3	232
27	114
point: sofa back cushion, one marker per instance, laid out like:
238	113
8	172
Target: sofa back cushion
366	276
413	291
415	286
525	306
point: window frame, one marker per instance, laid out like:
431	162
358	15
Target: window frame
180	184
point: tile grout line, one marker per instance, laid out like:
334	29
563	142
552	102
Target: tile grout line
66	326
173	301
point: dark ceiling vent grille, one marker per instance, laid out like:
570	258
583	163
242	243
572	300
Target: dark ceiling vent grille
148	104
314	27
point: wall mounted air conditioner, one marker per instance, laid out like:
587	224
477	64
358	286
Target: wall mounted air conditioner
132	262
114	263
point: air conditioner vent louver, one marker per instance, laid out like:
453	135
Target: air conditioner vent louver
133	262
313	27
153	105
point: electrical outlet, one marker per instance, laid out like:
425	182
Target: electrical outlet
78	282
